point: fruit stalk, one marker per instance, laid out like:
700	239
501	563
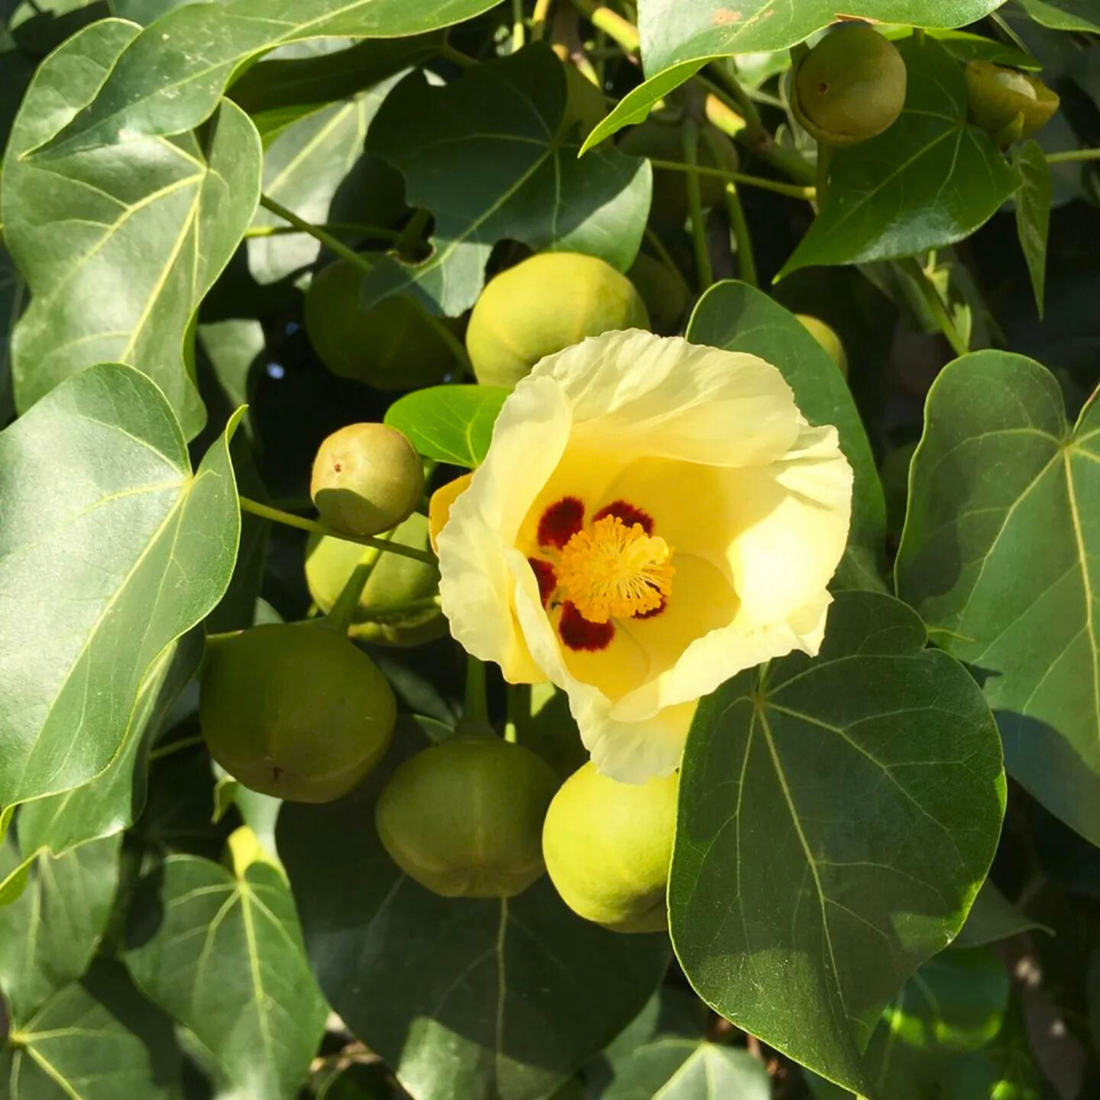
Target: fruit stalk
254	507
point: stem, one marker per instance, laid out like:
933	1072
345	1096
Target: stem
411	235
462	60
792	190
538	19
611	23
475	706
351	229
315	231
175	746
935	304
342	613
746	263
740	99
519	34
690	140
1071	155
663	255
719	111
257	509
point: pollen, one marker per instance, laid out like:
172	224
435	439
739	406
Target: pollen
612	571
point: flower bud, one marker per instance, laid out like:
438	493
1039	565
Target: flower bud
391	346
608	846
1006	103
662	141
545	304
850	86
463	818
827	338
366	479
383	615
666	297
295	711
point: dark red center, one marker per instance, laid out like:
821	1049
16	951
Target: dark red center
546	577
626	511
579	634
560	522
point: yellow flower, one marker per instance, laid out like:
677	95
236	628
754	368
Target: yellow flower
652	517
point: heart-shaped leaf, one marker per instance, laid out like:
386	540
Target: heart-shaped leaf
487	157
1001	557
679	36
111	548
48	936
683	1069
928	181
837	816
172	74
223	955
737	317
119	245
451	424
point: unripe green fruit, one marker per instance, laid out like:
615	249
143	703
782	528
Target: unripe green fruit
827	338
1006	102
666	297
664	142
542	305
295	711
850	86
608	846
391	346
366	479
464	818
382	616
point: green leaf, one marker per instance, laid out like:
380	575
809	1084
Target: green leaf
837	816
110	550
926	182
224	957
49	935
992	918
96	1040
1065	15
485	155
304	168
451	424
1033	213
680	36
1000	557
119	245
737	317
115	798
507	996
681	1069
172	75
299	79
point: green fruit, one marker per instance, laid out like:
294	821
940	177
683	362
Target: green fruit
383	615
827	338
391	346
366	479
664	142
608	846
1007	103
295	711
463	818
546	303
850	86
666	297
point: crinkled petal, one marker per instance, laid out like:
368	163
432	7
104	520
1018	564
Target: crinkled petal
663	397
475	584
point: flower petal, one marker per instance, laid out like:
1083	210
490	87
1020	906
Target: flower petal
475	580
663	397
